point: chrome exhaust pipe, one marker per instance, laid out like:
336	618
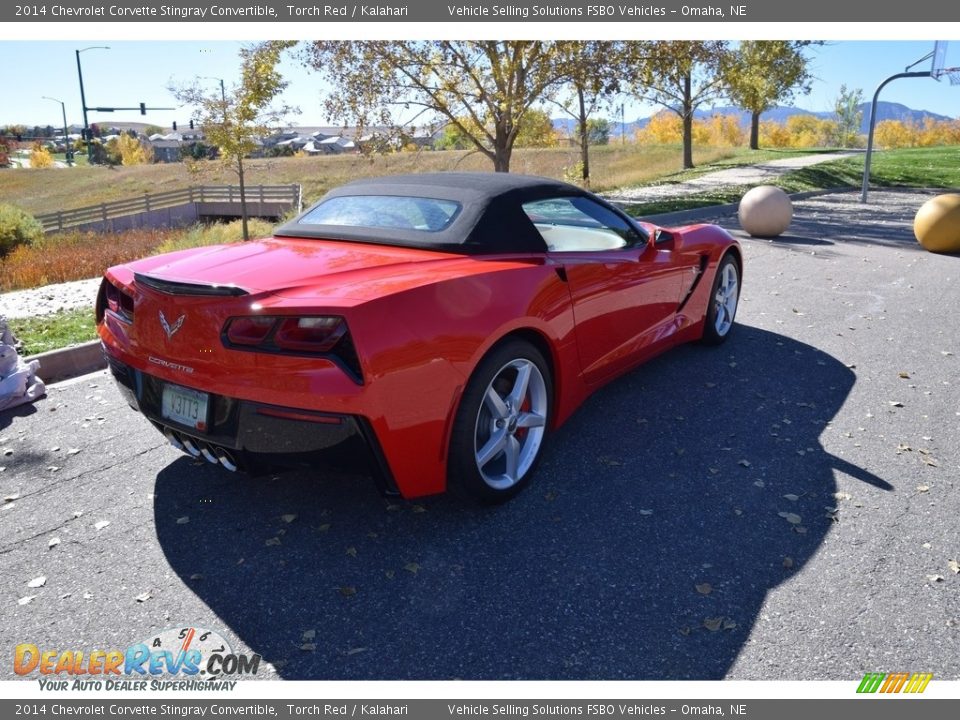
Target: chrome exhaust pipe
172	439
211	458
190	447
224	457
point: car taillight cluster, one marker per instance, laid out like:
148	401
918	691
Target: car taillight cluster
321	336
115	300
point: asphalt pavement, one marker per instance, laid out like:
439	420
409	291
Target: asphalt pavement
781	507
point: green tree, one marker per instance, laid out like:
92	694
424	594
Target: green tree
598	131
681	75
453	138
236	120
592	75
847	106
483	88
17	227
761	73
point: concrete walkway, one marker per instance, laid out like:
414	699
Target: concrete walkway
745	175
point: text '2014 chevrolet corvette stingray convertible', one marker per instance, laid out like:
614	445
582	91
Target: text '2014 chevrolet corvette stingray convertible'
450	321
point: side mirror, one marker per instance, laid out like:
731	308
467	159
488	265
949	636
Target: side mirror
663	239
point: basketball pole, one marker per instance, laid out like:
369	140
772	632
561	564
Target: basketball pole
873	124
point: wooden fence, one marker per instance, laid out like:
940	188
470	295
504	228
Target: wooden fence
257	197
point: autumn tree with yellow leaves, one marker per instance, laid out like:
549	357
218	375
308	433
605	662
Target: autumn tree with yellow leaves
235	121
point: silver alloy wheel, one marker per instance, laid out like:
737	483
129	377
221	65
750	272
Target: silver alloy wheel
726	298
510	423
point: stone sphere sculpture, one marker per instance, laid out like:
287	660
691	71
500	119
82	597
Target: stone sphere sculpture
765	211
937	224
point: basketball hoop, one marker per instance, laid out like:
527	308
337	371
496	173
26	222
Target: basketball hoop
953	75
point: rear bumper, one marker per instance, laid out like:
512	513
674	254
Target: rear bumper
257	436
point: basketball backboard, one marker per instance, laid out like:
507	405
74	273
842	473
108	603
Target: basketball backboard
942	63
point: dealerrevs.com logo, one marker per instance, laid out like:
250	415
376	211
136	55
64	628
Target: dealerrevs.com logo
186	658
909	683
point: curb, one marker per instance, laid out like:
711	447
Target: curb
66	363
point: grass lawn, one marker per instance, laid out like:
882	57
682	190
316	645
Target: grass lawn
50	332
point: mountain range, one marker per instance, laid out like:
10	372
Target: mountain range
780	113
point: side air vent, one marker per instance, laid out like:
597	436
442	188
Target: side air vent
175	287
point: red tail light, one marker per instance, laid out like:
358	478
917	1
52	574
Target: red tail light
115	300
249	330
324	335
310	334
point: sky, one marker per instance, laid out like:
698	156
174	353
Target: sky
131	72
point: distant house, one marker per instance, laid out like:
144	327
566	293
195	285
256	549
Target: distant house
166	150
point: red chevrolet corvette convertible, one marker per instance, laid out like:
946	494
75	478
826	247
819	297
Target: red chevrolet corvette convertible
450	321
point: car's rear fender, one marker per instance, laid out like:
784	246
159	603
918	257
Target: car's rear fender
420	347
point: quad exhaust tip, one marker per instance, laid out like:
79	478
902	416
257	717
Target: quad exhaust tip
210	453
172	439
226	460
190	447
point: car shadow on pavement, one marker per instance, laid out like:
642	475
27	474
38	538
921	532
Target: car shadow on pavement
664	512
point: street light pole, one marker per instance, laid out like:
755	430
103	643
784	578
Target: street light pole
66	138
83	100
223	92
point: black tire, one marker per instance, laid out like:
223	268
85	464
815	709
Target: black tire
512	433
722	309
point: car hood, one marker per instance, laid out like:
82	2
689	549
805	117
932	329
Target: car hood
306	267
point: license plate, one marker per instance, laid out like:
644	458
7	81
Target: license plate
185	406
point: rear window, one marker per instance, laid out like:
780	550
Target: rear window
384	211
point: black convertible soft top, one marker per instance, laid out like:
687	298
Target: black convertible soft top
490	220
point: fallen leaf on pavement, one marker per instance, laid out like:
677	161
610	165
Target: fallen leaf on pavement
38	582
704	588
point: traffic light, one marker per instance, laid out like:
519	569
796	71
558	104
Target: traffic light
143	108
174	125
191	124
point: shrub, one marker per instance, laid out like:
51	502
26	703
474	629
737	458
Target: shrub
17	227
41	157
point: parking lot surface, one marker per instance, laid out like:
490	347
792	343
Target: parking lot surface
782	507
